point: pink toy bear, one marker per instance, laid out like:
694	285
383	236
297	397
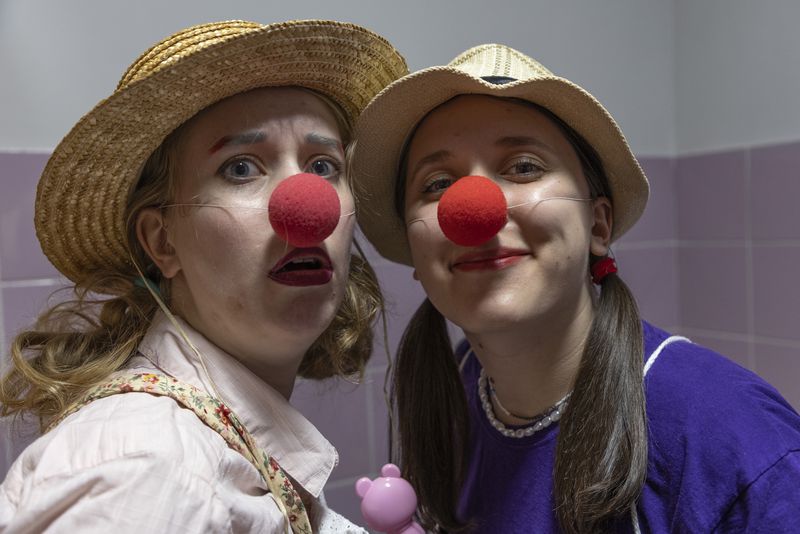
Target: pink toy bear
388	503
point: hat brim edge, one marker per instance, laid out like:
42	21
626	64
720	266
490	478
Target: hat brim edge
378	149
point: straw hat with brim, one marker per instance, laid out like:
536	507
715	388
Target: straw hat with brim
83	191
383	131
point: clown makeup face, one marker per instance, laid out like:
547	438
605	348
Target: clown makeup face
254	295
535	268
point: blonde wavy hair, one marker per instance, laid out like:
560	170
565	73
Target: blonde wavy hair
77	344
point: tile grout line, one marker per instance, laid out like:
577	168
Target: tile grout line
741	338
4	350
676	248
33	282
748	269
706	243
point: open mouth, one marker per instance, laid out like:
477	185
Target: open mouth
303	267
302	264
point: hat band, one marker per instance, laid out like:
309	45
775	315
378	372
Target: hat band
498	80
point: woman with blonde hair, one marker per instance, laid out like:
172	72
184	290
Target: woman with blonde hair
203	214
504	185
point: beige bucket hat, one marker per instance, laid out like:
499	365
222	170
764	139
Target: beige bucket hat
83	191
386	124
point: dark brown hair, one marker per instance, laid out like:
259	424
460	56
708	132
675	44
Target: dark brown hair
601	454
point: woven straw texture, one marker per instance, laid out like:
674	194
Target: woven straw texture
384	128
83	191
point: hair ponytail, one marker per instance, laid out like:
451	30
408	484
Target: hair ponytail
432	417
601	457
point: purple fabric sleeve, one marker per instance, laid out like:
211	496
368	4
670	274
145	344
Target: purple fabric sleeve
771	504
722	453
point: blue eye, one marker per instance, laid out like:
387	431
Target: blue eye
325	168
239	170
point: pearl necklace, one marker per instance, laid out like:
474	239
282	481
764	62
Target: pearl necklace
538	423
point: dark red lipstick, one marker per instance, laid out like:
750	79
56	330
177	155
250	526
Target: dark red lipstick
303	267
489	260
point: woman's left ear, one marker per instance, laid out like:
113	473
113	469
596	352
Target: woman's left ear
603	222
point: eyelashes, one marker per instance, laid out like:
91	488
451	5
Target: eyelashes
244	169
522	169
437	184
325	167
240	170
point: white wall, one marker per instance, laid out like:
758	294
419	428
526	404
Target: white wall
738	73
58	58
681	76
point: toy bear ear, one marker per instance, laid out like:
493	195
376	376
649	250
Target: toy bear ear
362	486
390	470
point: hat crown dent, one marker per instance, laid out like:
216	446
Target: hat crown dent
176	46
500	61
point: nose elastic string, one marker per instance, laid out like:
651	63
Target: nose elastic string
303	210
477	210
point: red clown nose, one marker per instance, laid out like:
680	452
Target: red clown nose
472	211
304	210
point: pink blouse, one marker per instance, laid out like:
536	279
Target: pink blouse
142	463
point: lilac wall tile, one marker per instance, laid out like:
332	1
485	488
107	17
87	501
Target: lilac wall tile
712	288
776	292
403	296
343	499
381	419
774	190
339	410
658	220
22	305
20	255
780	366
711	196
652	276
733	350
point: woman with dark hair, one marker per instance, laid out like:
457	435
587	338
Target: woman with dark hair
203	214
504	186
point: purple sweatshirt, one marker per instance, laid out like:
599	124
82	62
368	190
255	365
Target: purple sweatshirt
724	453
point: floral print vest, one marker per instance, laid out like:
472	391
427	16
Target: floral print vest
219	418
